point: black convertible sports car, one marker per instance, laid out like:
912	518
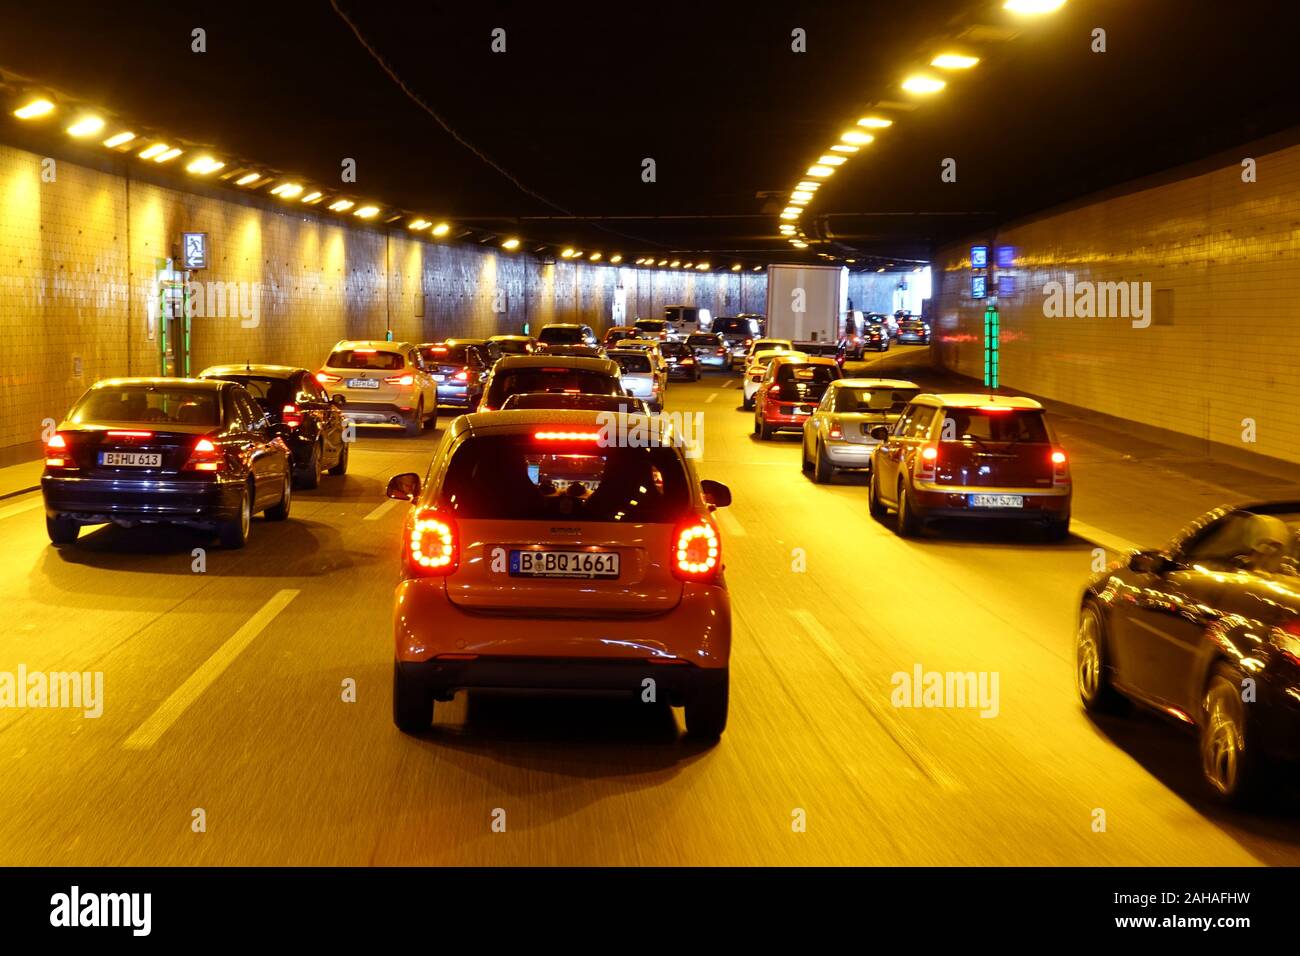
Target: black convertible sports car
1207	631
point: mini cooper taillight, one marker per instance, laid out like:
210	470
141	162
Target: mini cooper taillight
1060	467
697	550
927	460
431	547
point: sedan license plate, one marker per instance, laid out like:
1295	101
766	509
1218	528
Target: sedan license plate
564	564
997	501
130	459
804	410
363	383
440	378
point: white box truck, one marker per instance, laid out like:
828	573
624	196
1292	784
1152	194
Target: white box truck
806	303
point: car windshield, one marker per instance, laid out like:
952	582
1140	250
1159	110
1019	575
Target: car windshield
551	380
770	344
512	346
1000	425
878	399
633	363
149	404
651	325
522	478
371	359
800	372
560	335
703	341
446	354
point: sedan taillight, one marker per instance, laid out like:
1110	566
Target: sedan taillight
56	452
205	456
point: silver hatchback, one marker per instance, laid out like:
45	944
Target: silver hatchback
838	434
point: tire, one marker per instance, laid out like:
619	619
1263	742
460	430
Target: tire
908	525
61	530
412	702
706	708
416	424
309	474
747	404
823	470
804	463
281	511
875	507
1092	676
341	466
234	533
1235	772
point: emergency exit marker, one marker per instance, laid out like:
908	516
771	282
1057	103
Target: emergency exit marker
991	339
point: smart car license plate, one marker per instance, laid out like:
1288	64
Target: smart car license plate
564	564
129	459
997	501
363	383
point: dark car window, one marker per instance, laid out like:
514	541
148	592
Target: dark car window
371	359
916	421
704	341
855	400
996	426
149	404
595	403
248	409
632	363
521	478
309	390
674	348
801	372
513	347
551	380
446	354
270	393
560	335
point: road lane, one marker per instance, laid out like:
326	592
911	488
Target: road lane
828	603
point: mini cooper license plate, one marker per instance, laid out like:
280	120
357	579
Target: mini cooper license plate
997	501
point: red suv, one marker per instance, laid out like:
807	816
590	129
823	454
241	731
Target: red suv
791	391
971	456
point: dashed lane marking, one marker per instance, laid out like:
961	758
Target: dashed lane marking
381	510
730	523
171	709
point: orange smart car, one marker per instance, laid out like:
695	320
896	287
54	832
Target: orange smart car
570	550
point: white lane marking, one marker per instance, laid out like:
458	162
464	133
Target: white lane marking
18	509
170	710
381	510
1103	539
730	523
899	732
713	397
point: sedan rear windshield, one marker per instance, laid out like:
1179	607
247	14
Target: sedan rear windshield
997	426
371	359
861	400
149	404
559	335
447	354
520	478
551	380
632	363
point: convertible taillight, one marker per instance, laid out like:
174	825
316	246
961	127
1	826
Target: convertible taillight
697	550
431	547
205	456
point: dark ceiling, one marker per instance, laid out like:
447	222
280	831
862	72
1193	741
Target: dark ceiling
547	139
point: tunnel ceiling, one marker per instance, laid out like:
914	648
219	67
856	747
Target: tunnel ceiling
547	140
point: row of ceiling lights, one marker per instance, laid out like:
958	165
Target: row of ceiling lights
87	125
851	141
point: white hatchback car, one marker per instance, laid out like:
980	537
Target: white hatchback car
641	377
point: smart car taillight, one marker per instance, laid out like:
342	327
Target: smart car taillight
697	551
291	416
399	380
205	456
431	547
56	452
1060	467
927	461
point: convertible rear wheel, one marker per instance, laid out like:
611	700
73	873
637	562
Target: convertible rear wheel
1229	761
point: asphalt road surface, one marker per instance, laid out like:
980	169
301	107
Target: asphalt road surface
227	735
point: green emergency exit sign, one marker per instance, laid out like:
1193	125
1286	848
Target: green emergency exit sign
991	340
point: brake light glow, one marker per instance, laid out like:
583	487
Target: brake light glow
697	552
364	351
566	436
835	432
1060	467
995	408
325	378
400	380
290	416
205	457
129	434
461	376
927	461
774	390
54	449
431	545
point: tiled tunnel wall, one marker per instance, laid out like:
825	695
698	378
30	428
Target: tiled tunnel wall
79	258
1218	361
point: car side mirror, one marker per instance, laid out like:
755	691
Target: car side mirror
338	401
1148	562
880	432
716	494
404	487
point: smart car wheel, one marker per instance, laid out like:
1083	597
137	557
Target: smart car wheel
1229	762
412	702
706	707
61	530
1091	665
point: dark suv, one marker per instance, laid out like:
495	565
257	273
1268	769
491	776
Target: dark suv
971	456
